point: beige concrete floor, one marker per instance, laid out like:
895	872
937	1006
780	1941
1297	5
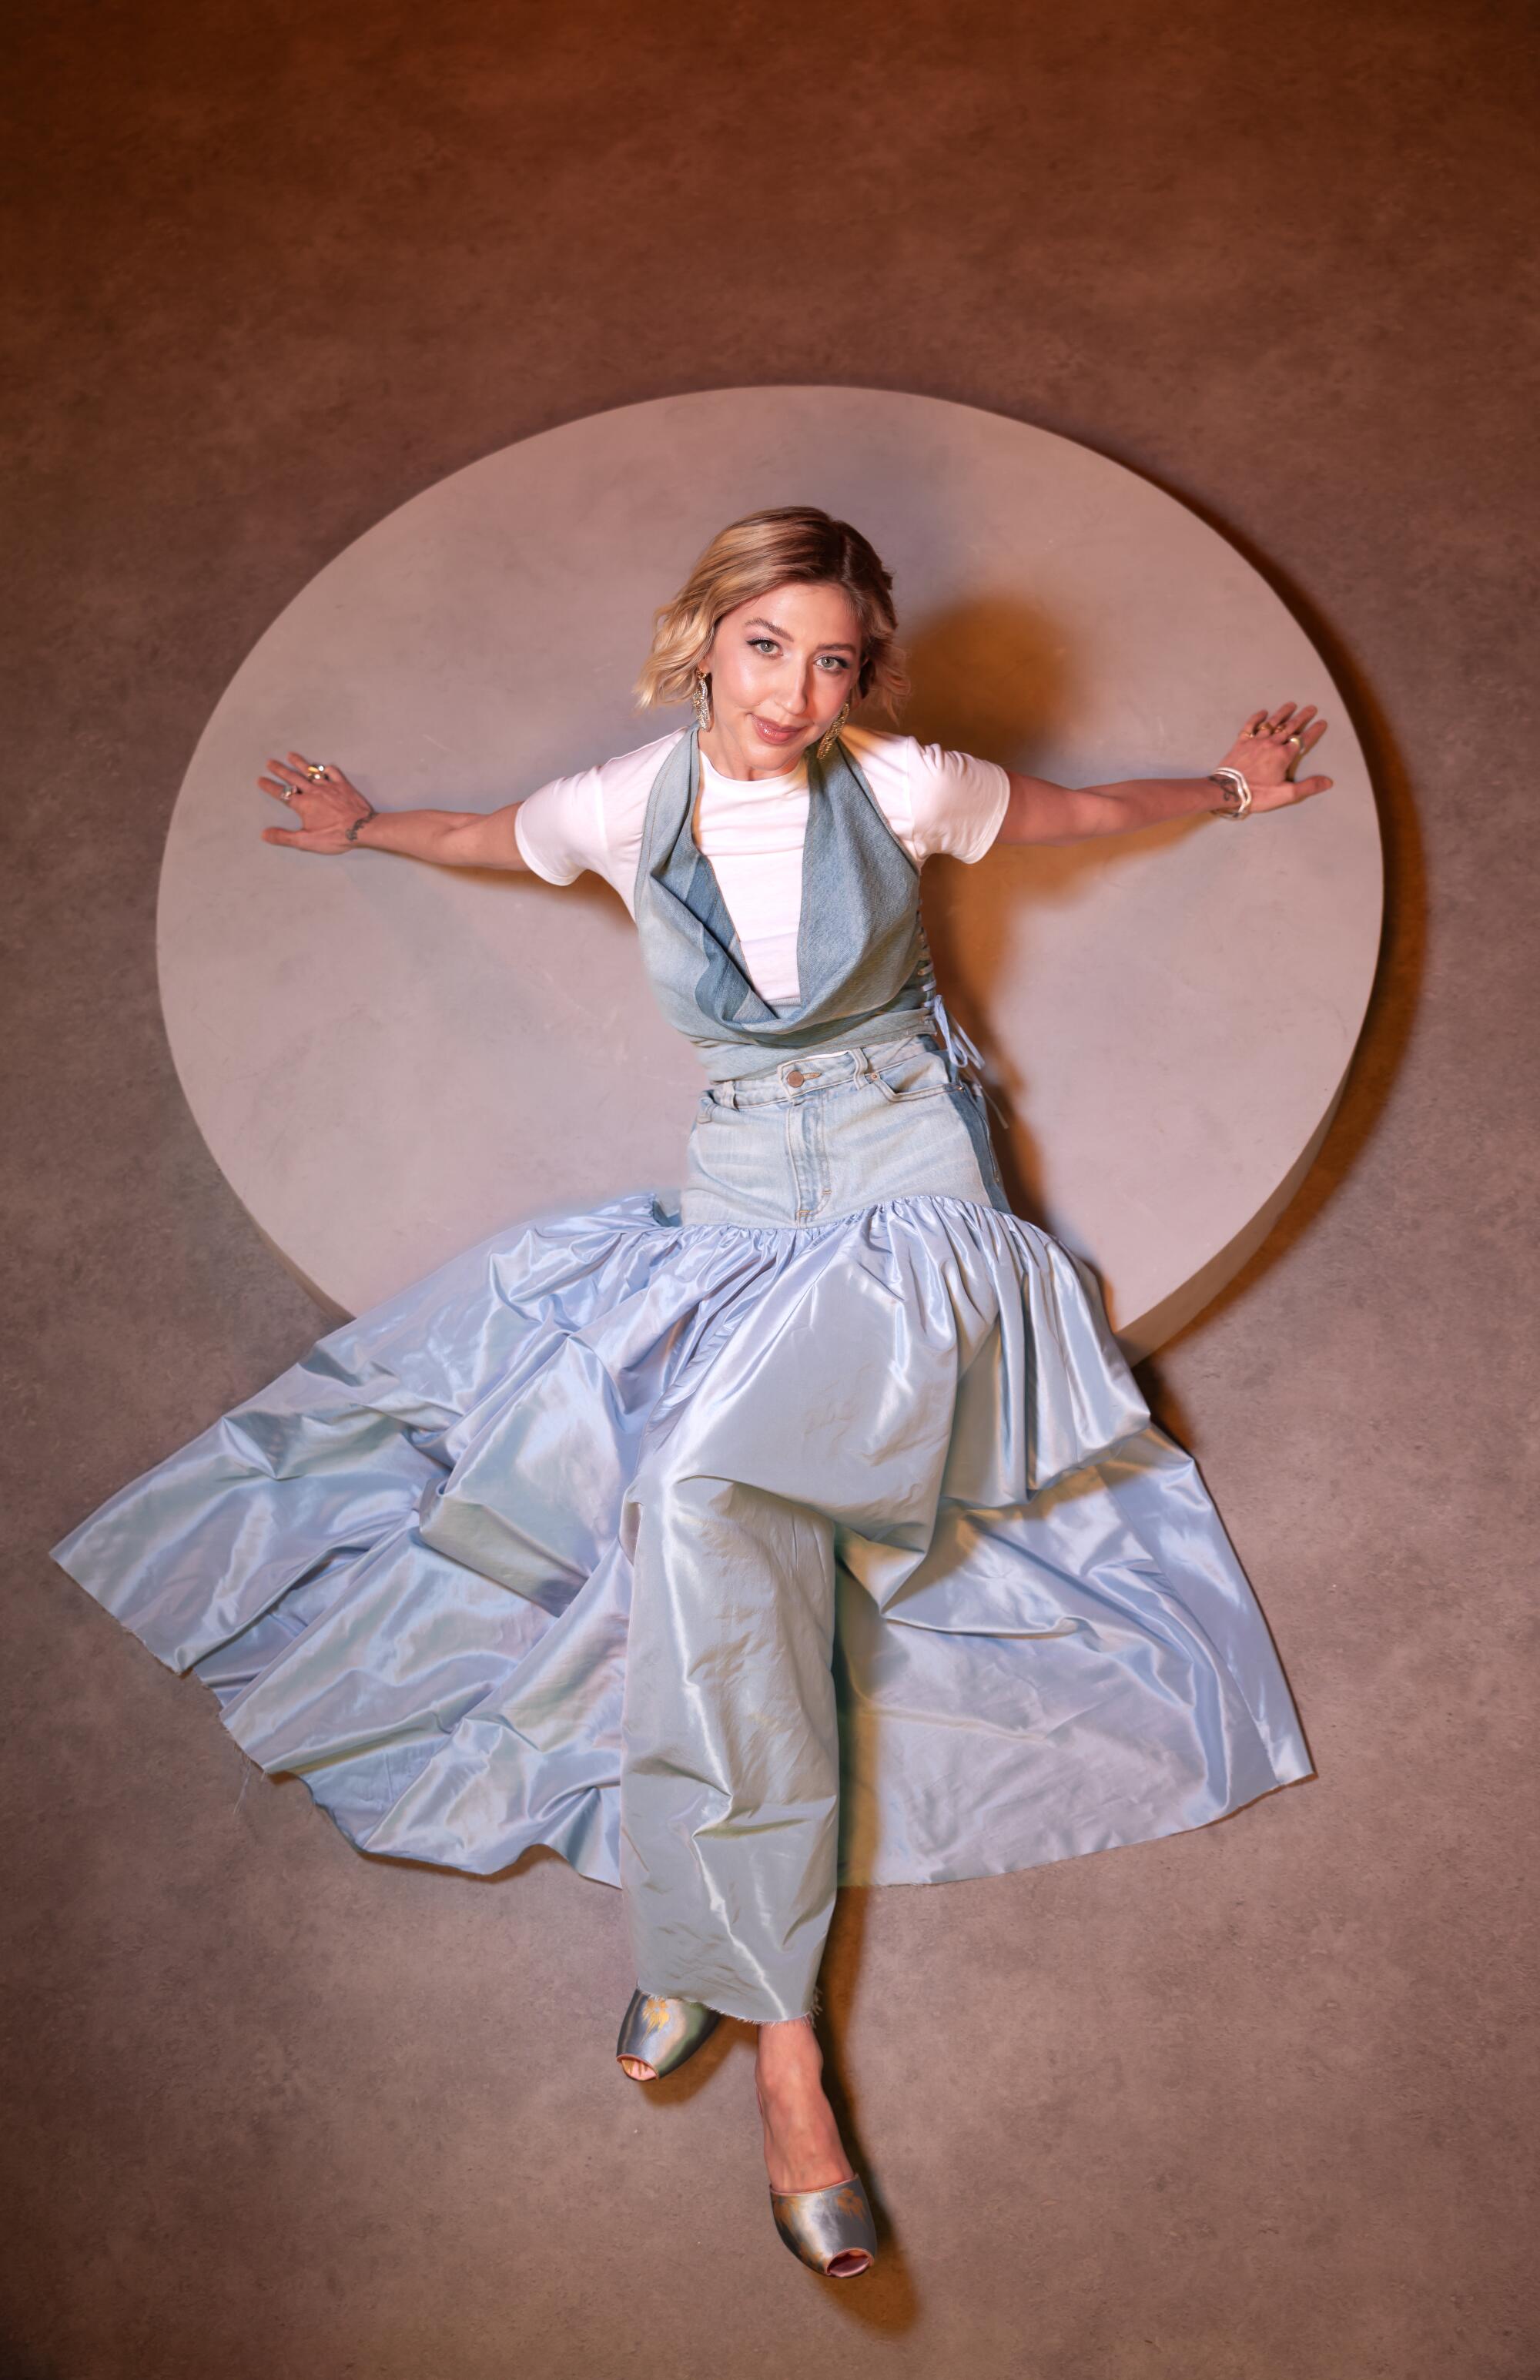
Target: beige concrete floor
1256	2102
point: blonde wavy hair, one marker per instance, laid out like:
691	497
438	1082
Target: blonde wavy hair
748	558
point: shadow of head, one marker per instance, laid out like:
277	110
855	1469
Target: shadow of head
991	677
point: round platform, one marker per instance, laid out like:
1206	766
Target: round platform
390	1061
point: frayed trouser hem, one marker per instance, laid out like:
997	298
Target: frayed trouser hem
805	2016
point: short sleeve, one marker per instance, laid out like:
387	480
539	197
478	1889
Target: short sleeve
560	828
956	803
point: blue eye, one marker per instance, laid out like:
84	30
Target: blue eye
768	644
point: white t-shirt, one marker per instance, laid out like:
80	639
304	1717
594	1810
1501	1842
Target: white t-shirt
752	829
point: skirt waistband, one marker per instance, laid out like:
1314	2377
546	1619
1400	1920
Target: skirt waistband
821	1070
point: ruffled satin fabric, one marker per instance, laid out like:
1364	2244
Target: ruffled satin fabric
405	1566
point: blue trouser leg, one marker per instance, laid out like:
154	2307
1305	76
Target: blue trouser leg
730	1765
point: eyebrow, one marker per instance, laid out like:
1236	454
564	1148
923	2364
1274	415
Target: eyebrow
788	639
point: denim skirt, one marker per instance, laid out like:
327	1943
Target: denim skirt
828	1135
806	1528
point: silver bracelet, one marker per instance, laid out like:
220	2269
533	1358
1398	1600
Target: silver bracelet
1227	777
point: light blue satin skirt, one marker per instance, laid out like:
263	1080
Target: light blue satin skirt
812	1532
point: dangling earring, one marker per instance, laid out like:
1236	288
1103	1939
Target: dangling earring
701	694
827	740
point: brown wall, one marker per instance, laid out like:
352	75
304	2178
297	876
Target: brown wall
1249	2102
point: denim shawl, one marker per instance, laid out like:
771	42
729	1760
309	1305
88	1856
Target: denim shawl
862	965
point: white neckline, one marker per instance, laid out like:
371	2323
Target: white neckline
753	785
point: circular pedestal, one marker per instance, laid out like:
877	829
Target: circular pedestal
390	1061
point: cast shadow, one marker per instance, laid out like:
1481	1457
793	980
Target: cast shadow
993	677
997	677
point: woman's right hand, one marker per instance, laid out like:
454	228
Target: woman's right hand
326	805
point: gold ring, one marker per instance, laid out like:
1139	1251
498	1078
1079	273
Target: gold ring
316	768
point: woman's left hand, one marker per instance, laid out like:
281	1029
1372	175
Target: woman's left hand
1269	748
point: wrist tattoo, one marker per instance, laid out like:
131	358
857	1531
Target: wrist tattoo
350	835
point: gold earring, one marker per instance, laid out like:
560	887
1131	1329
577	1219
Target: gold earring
827	740
701	697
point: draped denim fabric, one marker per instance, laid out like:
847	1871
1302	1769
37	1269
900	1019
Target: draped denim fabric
862	964
806	1527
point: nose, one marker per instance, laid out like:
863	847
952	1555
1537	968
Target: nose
794	689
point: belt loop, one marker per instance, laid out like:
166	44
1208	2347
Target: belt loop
726	1093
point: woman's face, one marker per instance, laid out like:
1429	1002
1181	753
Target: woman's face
781	666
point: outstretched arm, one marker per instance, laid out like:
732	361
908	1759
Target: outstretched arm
1041	811
334	816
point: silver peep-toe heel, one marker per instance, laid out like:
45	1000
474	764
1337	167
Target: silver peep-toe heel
830	2229
662	2033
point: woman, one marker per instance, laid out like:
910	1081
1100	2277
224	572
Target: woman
814	1533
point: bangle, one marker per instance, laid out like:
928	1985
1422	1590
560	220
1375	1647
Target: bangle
1226	778
350	835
